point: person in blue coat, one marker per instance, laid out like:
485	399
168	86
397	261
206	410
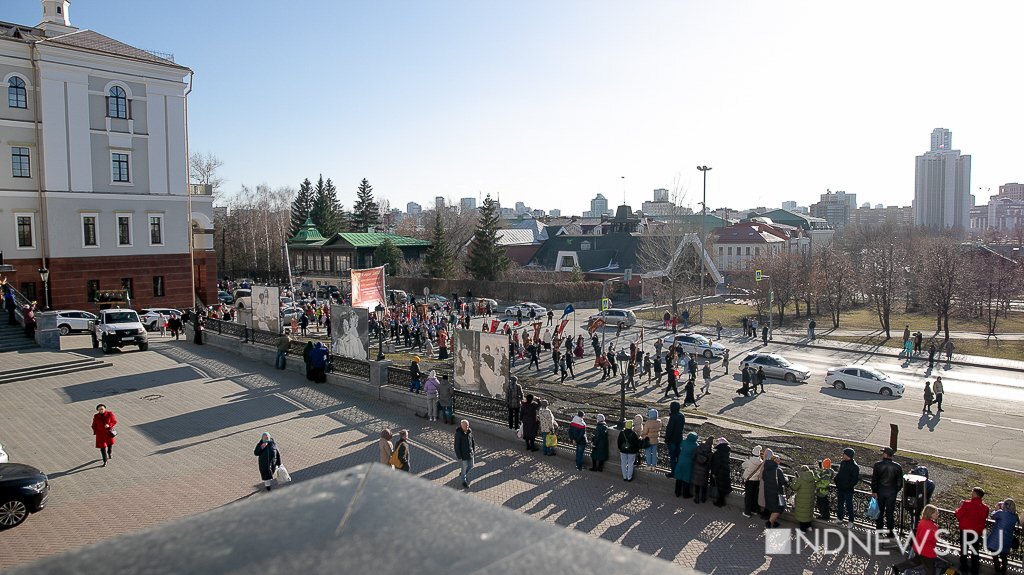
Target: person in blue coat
318	363
1000	536
684	467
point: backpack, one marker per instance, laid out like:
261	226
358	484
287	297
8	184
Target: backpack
393	458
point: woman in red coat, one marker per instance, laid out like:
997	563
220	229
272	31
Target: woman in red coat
103	428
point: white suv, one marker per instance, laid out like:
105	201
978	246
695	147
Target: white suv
615	317
150	316
116	328
694	343
72	320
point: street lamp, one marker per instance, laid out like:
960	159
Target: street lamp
703	215
44	274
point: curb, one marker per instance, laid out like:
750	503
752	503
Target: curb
895	355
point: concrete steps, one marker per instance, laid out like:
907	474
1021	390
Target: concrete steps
60	368
12	337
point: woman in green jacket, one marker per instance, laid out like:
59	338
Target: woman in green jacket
805	488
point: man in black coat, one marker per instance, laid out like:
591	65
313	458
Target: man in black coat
465	450
674	434
886	483
846	480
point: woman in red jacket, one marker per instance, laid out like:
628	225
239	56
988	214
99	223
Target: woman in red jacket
103	428
924	542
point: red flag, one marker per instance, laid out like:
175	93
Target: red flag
494	325
595	325
561	326
536	330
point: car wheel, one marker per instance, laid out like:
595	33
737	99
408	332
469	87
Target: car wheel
104	345
13	513
143	346
839	385
708	354
886	392
64	329
790	377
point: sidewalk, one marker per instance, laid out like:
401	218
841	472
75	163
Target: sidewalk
190	416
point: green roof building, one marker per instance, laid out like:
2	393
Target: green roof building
329	260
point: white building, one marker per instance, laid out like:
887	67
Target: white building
942	197
598	207
96	190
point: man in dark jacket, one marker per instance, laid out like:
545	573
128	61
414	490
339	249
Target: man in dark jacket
674	435
886	483
465	450
846	480
513	399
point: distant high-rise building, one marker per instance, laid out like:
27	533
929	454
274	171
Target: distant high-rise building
660	195
868	216
789	205
538	213
438	202
1012	191
942	184
598	207
835	207
468	204
412	208
521	208
555	213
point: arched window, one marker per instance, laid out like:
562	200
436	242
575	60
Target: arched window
117	103
16	94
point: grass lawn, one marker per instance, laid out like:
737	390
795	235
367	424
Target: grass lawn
1000	349
731	314
864	317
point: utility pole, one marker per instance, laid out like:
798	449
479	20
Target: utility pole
703	216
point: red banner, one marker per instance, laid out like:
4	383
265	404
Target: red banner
536	331
494	325
368	288
561	326
595	325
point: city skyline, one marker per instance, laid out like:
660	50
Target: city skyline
532	102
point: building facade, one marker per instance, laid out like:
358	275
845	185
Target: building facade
835	208
598	207
96	189
942	184
867	216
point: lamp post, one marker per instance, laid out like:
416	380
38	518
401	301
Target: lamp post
703	215
44	274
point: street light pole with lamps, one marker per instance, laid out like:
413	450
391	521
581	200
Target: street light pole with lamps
44	274
703	215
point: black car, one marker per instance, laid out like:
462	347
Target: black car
23	490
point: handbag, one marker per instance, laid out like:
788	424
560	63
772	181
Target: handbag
519	433
282	475
873	511
782	501
646	443
551	440
113	432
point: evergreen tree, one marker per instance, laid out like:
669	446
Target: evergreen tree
326	211
365	212
388	254
487	260
301	206
439	261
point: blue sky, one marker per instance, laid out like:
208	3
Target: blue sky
552	102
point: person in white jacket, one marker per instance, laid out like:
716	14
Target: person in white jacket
547	425
752	467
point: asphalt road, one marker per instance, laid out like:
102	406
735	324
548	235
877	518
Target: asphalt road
982	419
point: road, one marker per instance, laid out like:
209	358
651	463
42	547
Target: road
981	421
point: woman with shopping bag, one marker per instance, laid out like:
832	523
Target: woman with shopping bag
269	459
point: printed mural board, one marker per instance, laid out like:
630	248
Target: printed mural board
481	362
350	332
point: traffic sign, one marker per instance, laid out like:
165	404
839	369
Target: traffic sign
426	291
628	275
757	275
606	303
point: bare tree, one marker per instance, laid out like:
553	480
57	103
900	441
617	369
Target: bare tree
833	278
991	282
940	278
884	269
203	170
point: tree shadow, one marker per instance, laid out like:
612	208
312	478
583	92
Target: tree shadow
77	469
128	383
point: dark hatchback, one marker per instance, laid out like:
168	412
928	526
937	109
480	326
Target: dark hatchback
23	490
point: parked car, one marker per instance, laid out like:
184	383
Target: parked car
488	301
694	343
116	328
23	490
615	317
151	315
397	296
526	306
863	378
436	299
73	320
776	366
288	313
225	297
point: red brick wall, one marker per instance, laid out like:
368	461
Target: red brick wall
68	277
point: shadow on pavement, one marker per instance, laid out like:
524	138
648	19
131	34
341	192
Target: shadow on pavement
128	383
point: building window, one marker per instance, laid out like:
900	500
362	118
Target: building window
92	290
721	251
16	93
729	251
117	103
158	286
28	289
748	251
344	262
119	167
124	229
126	284
757	252
26	230
156	230
20	165
89	238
